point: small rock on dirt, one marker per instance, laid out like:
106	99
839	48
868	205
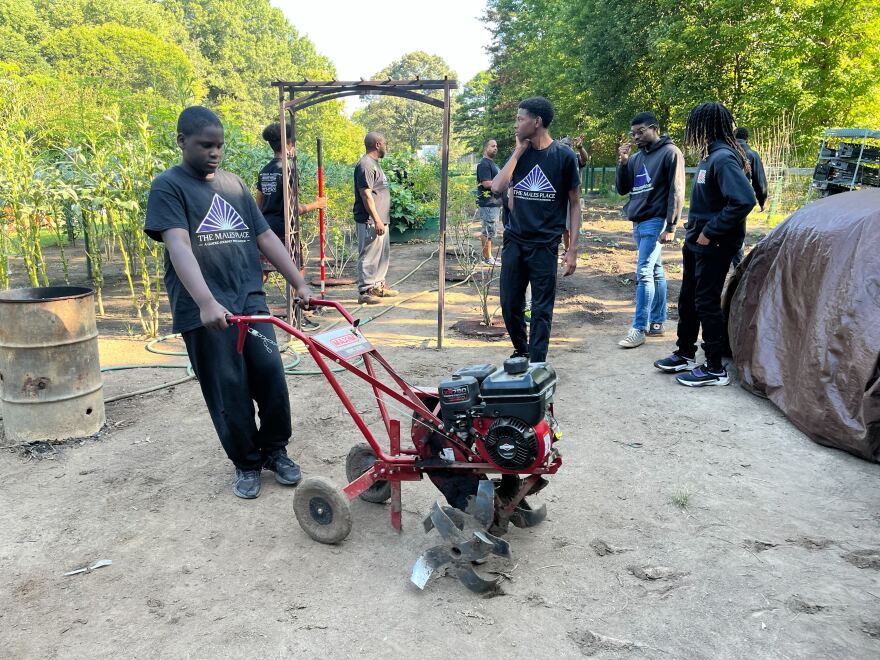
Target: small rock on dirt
537	600
652	572
603	548
758	546
470	614
869	558
809	543
871	628
591	643
799	604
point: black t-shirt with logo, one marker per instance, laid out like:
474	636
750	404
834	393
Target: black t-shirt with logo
368	174
541	182
223	222
486	171
269	182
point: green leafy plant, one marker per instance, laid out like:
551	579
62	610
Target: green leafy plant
415	190
406	212
680	497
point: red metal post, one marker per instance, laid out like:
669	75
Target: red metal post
321	211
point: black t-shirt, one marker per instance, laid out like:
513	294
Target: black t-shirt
486	171
368	174
541	182
223	224
269	182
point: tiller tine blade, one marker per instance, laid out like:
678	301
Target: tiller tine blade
500	547
525	516
474	582
482	505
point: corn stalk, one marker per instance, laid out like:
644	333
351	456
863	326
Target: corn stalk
20	200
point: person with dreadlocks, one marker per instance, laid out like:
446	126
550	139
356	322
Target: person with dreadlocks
721	199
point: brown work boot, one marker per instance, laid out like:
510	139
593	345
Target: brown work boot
385	292
369	297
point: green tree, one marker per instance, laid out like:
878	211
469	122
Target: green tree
118	56
601	61
472	106
21	18
402	121
248	45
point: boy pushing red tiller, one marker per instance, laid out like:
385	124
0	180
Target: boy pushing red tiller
214	234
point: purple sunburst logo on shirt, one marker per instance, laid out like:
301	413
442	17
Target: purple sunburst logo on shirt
535	181
221	217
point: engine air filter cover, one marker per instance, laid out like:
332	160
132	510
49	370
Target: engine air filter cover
523	395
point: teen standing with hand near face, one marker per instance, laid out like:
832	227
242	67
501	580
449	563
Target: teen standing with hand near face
654	179
544	180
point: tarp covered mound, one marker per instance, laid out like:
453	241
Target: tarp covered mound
805	320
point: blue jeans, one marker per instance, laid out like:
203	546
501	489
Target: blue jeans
651	287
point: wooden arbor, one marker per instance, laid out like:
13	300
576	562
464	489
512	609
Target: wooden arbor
294	96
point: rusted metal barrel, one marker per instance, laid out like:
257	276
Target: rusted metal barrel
50	378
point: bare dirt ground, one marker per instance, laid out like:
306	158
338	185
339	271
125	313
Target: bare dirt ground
683	524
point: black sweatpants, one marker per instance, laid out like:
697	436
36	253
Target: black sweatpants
522	265
699	303
232	382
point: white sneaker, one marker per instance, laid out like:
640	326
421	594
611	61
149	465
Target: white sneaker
634	338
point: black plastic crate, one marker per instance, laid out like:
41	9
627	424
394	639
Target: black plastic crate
870	176
843	167
835	186
852	150
822	172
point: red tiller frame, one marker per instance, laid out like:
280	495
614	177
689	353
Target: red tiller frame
398	464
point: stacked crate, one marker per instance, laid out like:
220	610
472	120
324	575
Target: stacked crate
849	158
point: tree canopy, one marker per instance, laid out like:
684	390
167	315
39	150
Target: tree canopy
70	63
407	123
602	61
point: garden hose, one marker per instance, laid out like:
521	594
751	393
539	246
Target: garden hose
290	368
155	388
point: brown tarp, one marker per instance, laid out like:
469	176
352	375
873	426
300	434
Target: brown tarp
804	312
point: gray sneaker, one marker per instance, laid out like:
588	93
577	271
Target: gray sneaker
634	338
247	484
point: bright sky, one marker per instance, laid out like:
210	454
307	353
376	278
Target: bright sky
449	28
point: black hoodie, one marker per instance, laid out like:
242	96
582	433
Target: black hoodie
654	179
721	199
759	179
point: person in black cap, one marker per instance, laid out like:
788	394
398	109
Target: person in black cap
759	178
721	199
270	190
